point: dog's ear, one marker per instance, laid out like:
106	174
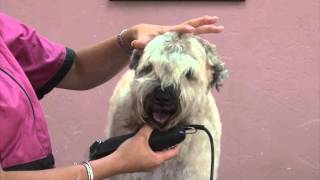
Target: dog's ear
219	71
135	58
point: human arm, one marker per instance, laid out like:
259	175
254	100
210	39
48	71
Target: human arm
103	168
98	63
132	156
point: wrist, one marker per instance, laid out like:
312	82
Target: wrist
89	170
125	38
108	166
130	35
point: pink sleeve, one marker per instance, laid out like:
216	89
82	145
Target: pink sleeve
44	62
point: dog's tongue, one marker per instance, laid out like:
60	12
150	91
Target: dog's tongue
160	117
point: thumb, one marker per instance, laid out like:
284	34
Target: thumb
140	44
145	131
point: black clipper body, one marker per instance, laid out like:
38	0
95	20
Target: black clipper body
158	141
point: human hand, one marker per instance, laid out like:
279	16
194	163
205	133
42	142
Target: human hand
142	33
137	154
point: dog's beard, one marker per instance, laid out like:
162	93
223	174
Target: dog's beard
164	116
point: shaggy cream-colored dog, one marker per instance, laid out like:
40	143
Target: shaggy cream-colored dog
168	84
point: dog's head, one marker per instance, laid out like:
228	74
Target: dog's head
173	76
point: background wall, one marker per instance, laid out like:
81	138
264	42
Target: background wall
270	106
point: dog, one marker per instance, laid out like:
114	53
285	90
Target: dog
169	83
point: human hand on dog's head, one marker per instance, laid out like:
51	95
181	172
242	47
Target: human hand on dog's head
141	34
136	154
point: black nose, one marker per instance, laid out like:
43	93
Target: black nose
165	96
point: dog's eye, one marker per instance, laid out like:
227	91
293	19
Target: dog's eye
190	75
145	70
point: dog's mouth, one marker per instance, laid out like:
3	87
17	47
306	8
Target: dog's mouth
162	113
161	107
159	115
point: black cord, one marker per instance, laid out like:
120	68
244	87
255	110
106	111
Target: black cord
201	127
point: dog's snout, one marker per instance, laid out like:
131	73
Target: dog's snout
165	96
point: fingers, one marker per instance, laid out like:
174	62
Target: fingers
183	28
146	131
209	29
200	25
204	20
168	154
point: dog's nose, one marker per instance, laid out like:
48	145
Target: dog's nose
165	96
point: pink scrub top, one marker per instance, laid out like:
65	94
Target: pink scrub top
30	66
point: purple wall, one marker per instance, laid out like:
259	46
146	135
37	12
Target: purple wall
270	106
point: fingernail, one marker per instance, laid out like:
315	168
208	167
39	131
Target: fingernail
190	28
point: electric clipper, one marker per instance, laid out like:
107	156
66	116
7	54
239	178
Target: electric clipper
158	141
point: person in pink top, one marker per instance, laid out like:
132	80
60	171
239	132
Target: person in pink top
31	66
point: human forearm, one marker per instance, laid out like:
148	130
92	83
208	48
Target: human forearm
72	172
98	63
102	168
